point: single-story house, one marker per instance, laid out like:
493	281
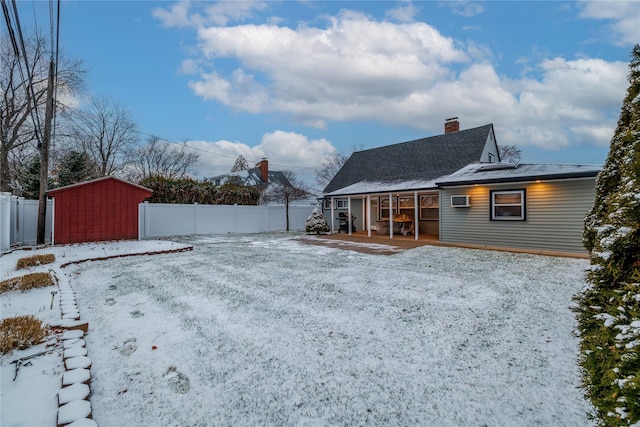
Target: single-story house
454	189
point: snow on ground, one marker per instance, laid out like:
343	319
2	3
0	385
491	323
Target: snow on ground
29	391
263	329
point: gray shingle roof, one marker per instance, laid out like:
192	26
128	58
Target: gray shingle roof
425	159
253	177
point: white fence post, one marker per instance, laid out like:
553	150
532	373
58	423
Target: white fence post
5	221
20	222
14	220
53	221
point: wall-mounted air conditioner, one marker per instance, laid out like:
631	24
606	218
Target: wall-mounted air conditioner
460	201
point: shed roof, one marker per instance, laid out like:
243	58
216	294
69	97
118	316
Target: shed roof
421	159
477	173
96	181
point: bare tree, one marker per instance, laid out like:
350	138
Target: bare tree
20	109
161	159
105	131
241	164
330	168
510	153
285	194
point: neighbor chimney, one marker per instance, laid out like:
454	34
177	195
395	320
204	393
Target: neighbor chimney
451	125
264	170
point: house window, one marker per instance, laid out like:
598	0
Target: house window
338	204
342	204
407	206
429	205
508	205
492	158
384	207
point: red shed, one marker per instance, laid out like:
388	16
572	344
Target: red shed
101	209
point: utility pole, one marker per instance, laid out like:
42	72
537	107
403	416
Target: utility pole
44	156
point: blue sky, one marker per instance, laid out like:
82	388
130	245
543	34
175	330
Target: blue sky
294	80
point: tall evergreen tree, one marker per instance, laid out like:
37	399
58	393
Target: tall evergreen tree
29	179
75	167
609	309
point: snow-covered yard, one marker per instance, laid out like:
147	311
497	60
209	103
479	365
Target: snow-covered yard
266	330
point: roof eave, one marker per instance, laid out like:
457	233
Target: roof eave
96	180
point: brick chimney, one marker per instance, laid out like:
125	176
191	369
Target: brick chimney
451	125
264	169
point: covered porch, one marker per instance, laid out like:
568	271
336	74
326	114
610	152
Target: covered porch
400	213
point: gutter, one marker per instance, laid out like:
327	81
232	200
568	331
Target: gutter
561	176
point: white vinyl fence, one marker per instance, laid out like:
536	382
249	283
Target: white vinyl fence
19	221
166	220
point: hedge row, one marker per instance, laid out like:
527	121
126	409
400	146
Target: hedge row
203	192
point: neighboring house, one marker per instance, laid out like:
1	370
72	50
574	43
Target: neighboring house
259	176
453	188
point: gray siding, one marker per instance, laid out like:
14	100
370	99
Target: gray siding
357	204
555	212
489	147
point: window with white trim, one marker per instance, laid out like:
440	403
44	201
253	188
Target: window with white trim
338	204
508	205
385	212
429	207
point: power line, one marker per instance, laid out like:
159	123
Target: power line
28	82
55	87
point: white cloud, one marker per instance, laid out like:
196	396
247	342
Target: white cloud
218	13
406	12
404	74
221	13
466	8
335	73
284	150
624	17
177	15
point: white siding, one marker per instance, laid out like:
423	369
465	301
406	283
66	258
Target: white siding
555	212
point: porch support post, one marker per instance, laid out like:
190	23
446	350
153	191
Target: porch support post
390	216
416	224
364	214
368	215
333	228
349	222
